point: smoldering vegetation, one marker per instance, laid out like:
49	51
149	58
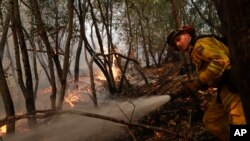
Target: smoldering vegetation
77	128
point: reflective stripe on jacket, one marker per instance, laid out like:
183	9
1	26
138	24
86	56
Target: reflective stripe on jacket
211	58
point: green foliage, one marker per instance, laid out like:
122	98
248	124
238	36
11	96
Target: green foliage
54	11
207	10
156	19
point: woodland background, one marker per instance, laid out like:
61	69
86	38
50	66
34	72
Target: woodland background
48	42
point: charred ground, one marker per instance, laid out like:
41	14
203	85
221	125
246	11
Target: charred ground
175	116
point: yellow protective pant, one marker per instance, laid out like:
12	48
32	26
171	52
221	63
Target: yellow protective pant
218	117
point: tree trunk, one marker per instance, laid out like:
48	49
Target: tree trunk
34	55
129	41
105	66
4	35
144	44
49	73
82	14
150	44
7	100
70	6
19	41
4	89
43	34
238	21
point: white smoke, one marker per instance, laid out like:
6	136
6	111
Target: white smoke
81	128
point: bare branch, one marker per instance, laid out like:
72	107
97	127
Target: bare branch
48	113
43	51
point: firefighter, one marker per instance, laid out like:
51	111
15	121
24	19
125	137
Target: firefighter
211	58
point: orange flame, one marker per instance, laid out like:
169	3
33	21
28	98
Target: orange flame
72	97
158	134
115	70
3	130
100	76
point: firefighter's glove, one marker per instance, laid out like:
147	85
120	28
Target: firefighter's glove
189	88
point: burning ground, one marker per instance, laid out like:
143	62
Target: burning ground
174	117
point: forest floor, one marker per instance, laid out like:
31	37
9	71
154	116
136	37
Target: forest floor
177	116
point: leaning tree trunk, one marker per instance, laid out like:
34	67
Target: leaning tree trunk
43	34
4	89
106	69
19	41
7	100
237	20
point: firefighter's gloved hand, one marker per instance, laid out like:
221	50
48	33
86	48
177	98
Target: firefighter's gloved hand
189	88
194	86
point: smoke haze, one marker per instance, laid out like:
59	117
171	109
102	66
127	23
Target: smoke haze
80	128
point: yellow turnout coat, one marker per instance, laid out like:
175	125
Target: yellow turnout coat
211	58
